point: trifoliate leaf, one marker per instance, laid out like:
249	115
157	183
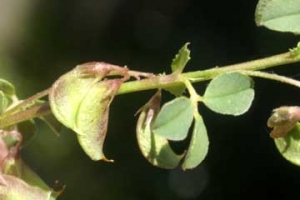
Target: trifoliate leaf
80	100
279	15
198	147
154	148
181	59
174	119
229	93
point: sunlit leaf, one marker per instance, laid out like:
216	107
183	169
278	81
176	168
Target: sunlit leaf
198	147
174	119
279	15
80	100
181	59
289	145
229	93
154	148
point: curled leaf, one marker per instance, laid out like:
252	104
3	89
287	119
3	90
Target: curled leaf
80	100
155	148
283	120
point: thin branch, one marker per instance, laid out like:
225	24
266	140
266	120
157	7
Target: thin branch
275	77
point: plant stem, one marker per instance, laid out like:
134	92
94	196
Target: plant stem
28	109
275	77
26	103
171	80
32	112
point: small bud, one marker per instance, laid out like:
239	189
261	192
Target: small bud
283	120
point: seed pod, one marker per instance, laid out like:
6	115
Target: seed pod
80	100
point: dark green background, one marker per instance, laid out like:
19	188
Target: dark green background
44	39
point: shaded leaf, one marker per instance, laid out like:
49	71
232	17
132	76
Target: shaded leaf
174	119
7	88
3	102
154	148
28	130
229	93
181	59
283	120
80	100
17	180
198	147
17	168
279	15
289	145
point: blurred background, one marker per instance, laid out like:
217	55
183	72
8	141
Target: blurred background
41	40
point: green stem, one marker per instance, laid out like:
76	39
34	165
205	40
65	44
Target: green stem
26	103
171	80
18	114
32	112
275	77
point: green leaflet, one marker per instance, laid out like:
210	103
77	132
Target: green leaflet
174	119
80	100
229	93
178	64
155	149
289	145
7	88
279	15
181	59
7	95
198	147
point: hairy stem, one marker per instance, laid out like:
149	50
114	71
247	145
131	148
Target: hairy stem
165	81
32	112
265	75
27	109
